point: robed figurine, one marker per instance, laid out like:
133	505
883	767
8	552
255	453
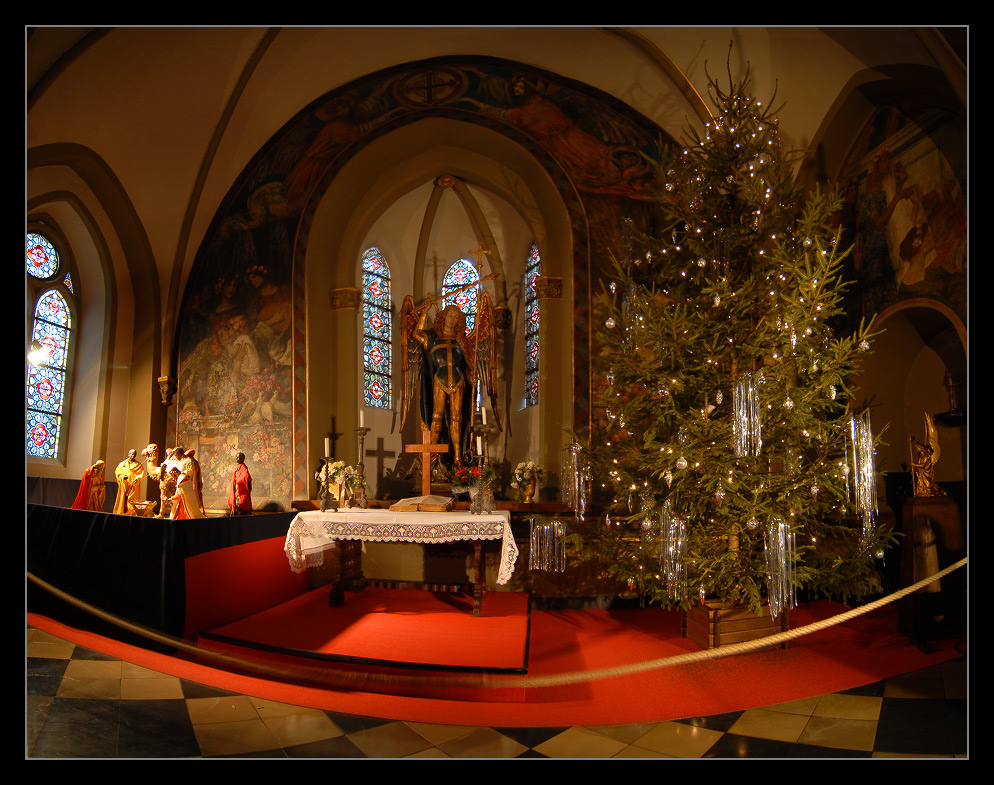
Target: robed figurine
240	490
448	367
92	489
129	475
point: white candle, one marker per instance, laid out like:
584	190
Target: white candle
479	446
362	419
327	447
484	415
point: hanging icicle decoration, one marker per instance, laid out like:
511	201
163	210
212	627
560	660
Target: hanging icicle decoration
673	553
548	546
780	560
574	475
746	422
861	486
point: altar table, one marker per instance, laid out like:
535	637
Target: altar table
313	533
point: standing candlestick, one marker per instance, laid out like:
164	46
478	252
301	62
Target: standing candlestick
484	501
360	491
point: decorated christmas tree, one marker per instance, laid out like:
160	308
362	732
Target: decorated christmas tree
726	444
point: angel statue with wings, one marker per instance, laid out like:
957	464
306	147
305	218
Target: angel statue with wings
447	365
924	456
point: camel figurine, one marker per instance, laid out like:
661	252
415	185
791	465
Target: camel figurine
160	474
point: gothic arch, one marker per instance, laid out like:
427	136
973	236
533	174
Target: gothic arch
391	166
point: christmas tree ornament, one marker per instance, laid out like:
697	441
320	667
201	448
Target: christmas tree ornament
673	562
861	483
746	420
718	397
753	523
610	322
548	546
668	476
613	287
575	476
780	564
681	462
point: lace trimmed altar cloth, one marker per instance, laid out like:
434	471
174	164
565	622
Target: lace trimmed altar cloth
312	533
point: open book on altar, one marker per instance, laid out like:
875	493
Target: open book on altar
423	504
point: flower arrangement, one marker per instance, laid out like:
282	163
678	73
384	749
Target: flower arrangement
339	473
469	476
526	474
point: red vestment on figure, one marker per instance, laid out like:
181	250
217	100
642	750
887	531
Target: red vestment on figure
240	490
83	495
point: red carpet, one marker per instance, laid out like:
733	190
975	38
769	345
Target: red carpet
564	643
409	628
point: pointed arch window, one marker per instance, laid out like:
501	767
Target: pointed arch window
462	273
50	349
533	269
377	330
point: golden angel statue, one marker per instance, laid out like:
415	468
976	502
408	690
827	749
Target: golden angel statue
448	367
924	457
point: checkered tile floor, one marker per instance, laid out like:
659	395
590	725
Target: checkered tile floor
82	704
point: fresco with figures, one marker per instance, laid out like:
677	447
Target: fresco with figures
905	211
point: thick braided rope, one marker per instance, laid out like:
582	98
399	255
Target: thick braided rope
356	679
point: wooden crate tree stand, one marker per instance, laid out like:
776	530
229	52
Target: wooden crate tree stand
714	623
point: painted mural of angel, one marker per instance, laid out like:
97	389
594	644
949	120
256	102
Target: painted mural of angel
447	366
924	457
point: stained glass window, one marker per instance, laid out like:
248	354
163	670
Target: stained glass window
532	271
377	330
46	382
41	258
461	274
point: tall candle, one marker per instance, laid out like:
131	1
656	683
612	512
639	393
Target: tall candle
479	446
327	447
484	415
362	419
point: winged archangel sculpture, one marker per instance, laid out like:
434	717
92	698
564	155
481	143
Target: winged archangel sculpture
924	457
448	367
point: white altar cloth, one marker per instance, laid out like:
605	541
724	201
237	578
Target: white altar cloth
312	533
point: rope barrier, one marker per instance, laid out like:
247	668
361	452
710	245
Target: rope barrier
357	679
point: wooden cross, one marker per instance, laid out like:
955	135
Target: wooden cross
426	449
